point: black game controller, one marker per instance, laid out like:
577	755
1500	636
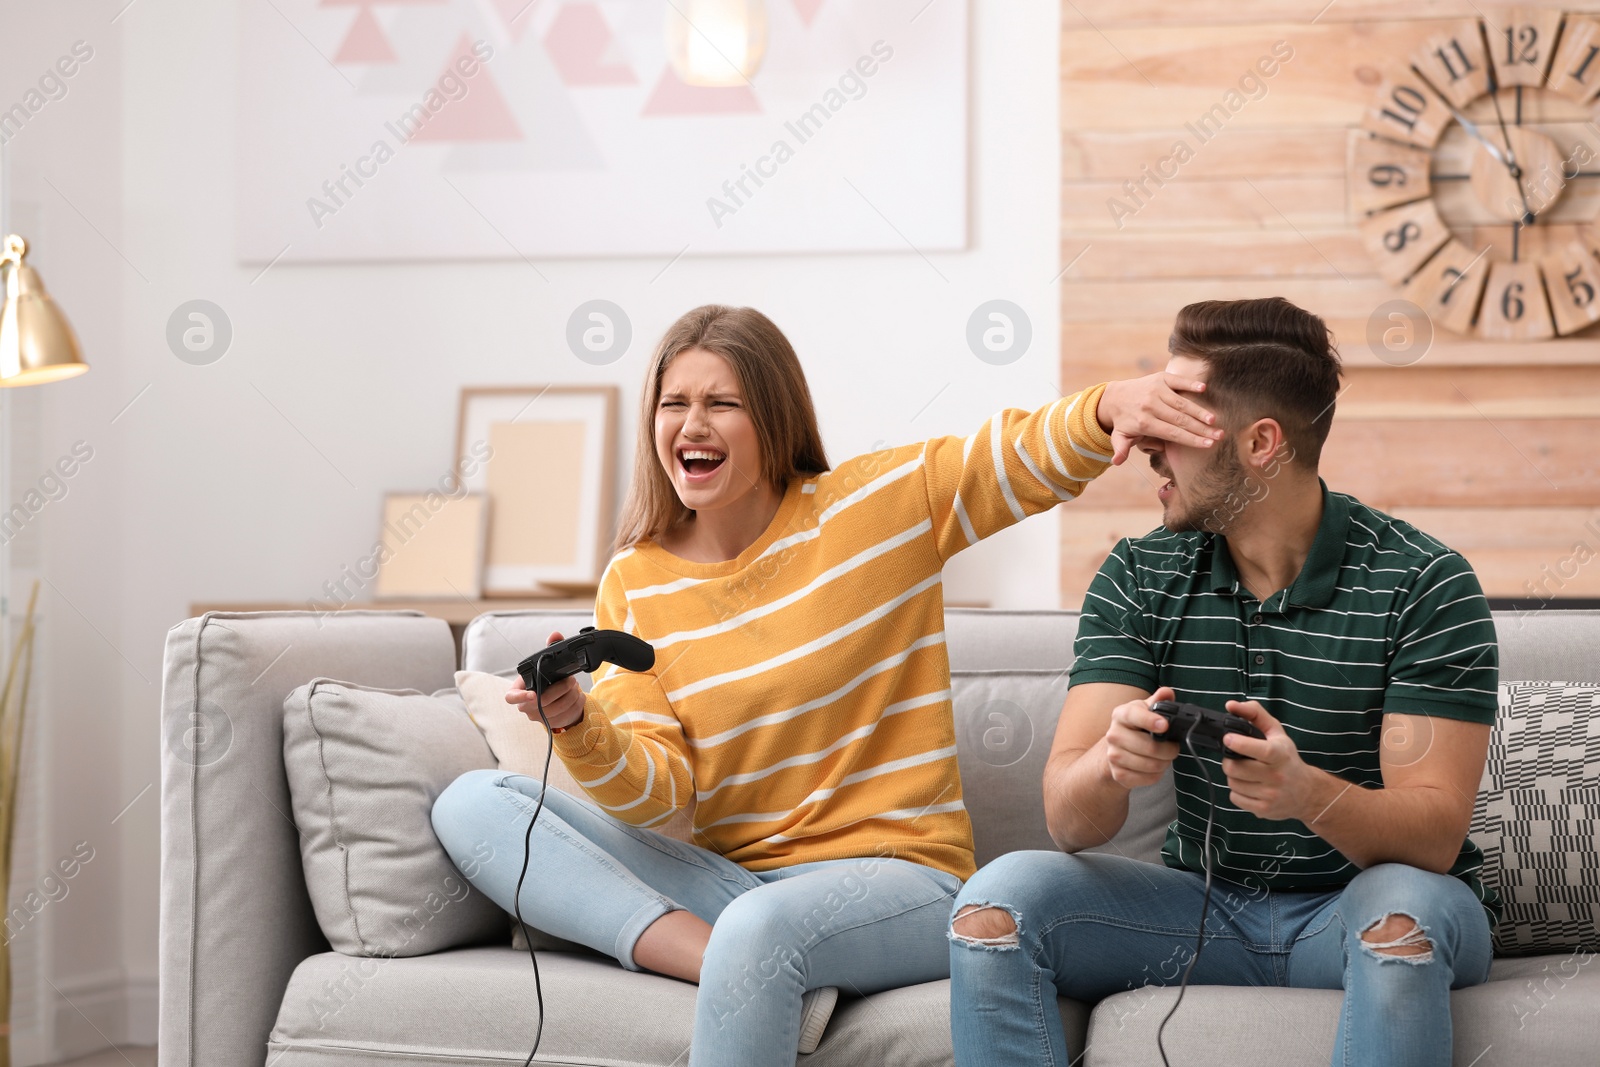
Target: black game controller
1202	727
584	651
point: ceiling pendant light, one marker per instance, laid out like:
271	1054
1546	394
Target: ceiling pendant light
716	43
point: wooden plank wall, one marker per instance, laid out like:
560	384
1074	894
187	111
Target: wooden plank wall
1492	447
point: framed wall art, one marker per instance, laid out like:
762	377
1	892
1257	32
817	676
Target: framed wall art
546	464
434	545
473	129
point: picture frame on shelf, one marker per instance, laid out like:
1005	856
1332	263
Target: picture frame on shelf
434	546
548	461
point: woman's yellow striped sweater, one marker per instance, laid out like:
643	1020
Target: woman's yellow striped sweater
801	692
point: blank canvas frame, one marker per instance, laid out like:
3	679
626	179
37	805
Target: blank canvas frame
548	470
435	546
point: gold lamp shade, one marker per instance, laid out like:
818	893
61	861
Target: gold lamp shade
37	344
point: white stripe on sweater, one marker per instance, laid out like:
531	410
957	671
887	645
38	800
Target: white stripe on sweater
839	570
821	754
801	651
861	776
888	663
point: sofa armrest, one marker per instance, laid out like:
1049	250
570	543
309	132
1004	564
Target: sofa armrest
235	916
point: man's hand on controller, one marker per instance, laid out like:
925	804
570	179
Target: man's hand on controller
1155	406
563	702
1134	758
1275	783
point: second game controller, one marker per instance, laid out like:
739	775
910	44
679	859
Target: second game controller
1202	727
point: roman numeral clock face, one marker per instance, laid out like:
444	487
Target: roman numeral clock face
1476	175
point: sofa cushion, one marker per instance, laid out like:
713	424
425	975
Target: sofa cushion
1248	1026
1537	817
364	767
1005	725
477	1006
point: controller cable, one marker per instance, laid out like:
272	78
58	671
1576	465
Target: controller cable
527	849
1205	901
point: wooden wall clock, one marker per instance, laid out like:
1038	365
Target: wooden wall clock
1482	438
1477	175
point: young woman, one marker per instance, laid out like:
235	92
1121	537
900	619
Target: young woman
800	696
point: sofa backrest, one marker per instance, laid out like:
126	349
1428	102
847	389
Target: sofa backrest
1548	646
1009	676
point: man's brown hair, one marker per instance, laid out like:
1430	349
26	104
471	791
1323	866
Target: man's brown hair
1268	360
775	395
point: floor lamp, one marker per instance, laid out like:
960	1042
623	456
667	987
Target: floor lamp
37	345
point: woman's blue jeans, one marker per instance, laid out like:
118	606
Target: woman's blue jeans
861	925
1089	926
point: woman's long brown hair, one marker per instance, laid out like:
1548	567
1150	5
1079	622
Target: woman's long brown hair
775	394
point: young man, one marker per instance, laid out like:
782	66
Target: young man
1360	647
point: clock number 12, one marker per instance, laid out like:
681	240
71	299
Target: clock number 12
1528	38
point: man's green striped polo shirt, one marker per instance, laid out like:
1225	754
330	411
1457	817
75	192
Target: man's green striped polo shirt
1382	618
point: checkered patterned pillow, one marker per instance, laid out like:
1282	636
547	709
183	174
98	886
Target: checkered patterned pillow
1538	817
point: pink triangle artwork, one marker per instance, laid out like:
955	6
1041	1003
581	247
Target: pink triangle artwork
807	10
481	115
582	47
365	43
673	96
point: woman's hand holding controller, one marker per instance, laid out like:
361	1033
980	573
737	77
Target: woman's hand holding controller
563	702
1133	757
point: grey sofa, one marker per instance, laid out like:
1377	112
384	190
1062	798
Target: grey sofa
242	956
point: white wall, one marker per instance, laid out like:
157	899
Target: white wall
201	490
90	704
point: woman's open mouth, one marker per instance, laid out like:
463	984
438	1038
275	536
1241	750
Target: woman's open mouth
699	464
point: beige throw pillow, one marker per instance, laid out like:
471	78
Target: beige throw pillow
364	767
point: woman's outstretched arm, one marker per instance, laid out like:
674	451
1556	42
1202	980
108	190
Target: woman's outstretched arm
1021	463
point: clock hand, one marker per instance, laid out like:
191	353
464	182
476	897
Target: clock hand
1504	156
1500	116
1510	160
1528	216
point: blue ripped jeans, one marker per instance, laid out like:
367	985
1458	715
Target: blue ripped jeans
862	925
1090	926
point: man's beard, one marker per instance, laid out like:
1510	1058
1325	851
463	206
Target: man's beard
1211	498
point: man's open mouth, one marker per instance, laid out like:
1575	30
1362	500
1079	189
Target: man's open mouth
699	461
